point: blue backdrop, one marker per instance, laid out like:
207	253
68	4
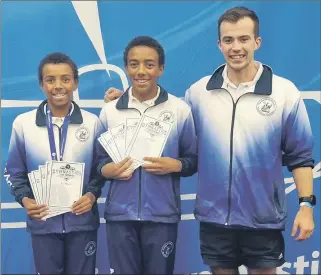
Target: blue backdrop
95	34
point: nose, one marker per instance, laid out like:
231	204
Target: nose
57	84
141	69
236	45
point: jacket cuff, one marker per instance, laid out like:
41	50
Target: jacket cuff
308	163
94	192
185	172
24	195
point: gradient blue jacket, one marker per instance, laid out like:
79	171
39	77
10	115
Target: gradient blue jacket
242	146
29	148
146	196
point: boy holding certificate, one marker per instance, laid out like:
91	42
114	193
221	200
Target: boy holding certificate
51	170
151	139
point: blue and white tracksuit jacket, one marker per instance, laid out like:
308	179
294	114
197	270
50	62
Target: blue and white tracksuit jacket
242	146
146	196
29	148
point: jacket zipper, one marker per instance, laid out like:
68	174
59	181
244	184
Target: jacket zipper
231	166
140	195
140	175
63	215
109	191
140	179
229	202
139	216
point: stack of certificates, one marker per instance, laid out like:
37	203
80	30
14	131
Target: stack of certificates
137	138
58	185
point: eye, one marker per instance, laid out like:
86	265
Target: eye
133	65
227	41
66	80
149	65
243	40
49	80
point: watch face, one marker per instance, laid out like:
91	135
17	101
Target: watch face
313	200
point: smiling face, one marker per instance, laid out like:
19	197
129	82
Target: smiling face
238	43
143	69
58	84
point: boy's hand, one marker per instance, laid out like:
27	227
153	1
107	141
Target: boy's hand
34	210
84	204
162	166
112	94
118	170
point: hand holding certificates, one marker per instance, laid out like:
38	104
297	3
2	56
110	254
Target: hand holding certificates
137	138
57	184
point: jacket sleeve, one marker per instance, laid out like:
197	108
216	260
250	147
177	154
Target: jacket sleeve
97	181
297	139
188	147
15	172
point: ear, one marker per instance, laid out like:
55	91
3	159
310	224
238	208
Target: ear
41	87
126	68
219	45
161	70
76	85
258	42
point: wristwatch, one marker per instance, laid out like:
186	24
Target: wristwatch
308	201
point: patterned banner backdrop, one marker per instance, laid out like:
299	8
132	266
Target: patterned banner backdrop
94	34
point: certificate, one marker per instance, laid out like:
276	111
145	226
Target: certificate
37	182
34	188
149	139
131	125
43	178
118	134
65	184
110	146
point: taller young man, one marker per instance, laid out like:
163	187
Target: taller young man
258	124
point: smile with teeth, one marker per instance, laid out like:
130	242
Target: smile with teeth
141	81
239	56
59	95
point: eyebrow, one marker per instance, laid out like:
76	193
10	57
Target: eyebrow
242	36
146	60
245	36
53	76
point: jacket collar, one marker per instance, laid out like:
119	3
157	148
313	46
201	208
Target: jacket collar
262	87
75	117
122	102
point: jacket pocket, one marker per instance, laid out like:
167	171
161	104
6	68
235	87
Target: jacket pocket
269	208
278	202
119	198
159	196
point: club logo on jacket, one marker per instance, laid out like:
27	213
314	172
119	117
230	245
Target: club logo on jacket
82	133
266	106
166	116
167	249
90	248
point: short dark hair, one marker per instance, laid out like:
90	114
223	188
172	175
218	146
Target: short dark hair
148	42
57	58
233	15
